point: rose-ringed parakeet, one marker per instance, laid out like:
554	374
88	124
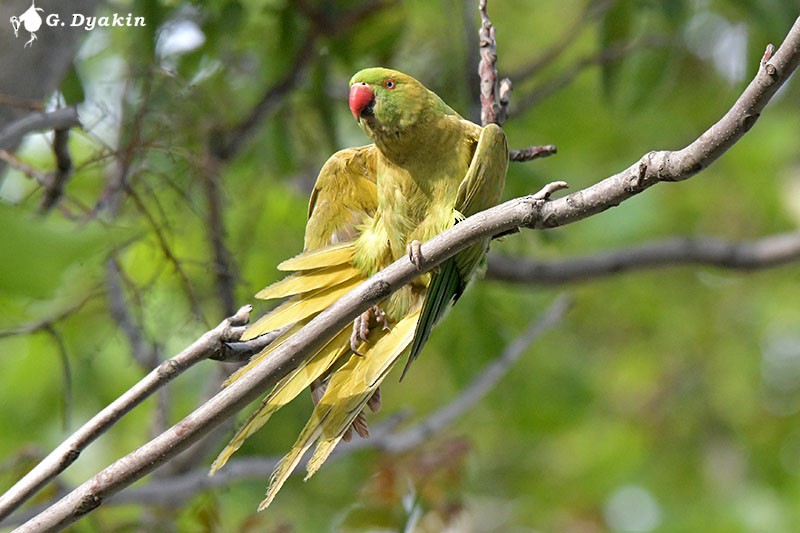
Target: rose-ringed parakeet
427	169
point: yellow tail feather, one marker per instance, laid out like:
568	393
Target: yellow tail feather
307	281
285	391
301	307
335	254
289	462
347	393
352	386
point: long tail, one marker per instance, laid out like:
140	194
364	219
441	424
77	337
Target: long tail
284	392
350	387
323	279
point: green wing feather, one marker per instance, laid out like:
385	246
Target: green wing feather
480	189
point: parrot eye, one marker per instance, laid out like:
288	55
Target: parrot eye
389	84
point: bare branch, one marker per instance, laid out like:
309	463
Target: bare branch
67	452
175	489
660	166
55	187
532	152
494	94
753	255
529	212
569	36
606	56
485	381
145	353
59	119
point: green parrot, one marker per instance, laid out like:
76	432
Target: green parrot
427	169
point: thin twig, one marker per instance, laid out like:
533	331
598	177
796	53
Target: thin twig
45	323
55	187
31	172
611	54
532	152
144	352
224	265
169	255
569	36
239	352
226	145
66	372
22	103
494	93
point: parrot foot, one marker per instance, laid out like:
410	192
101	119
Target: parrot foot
414	253
359	424
361	326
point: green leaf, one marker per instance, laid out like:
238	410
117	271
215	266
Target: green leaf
72	87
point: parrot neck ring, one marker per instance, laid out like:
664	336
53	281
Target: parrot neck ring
362	100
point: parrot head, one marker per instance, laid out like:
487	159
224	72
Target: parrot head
387	101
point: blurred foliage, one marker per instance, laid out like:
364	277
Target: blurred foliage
667	400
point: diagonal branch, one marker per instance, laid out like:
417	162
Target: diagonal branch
176	489
485	381
531	211
767	252
66	453
659	166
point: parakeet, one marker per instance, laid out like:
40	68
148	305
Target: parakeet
427	169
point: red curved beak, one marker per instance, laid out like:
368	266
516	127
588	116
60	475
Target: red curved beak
361	98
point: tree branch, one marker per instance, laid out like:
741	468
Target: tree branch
226	145
606	56
485	381
68	451
659	166
59	119
144	352
494	94
531	211
532	152
176	489
759	254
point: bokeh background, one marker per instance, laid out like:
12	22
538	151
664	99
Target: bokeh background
666	399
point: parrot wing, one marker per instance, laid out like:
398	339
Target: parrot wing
480	189
344	195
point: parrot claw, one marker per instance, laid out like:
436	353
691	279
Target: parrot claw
374	402
359	424
361	326
414	253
